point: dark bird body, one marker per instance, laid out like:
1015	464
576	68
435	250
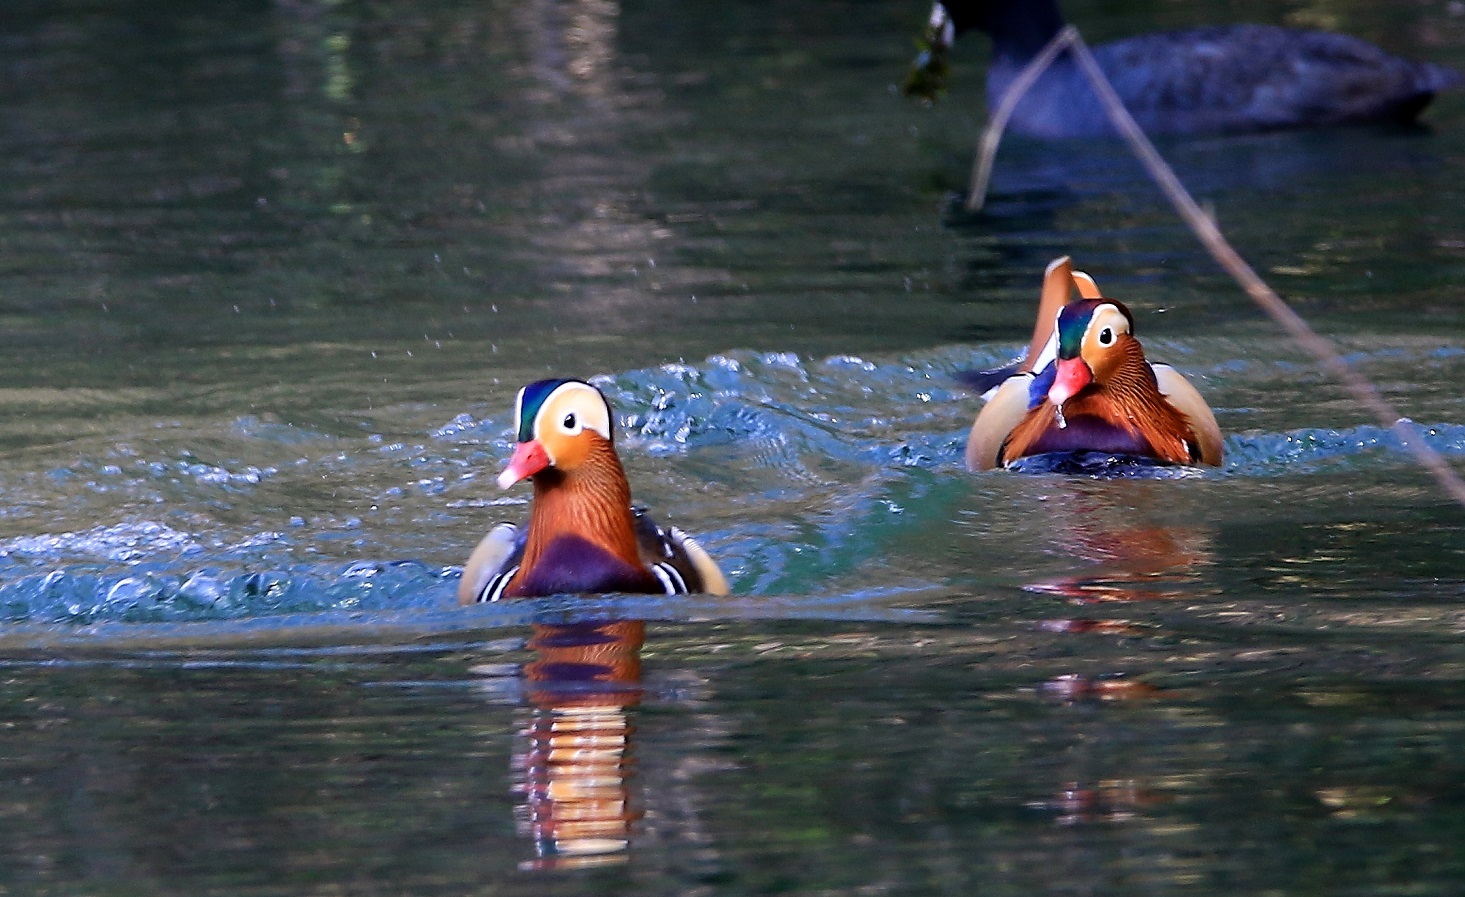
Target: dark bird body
1209	80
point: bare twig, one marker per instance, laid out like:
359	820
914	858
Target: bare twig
1210	236
976	194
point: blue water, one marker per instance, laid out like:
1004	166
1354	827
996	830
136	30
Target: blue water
770	424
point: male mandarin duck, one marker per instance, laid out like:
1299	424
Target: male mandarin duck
1085	386
583	534
1214	80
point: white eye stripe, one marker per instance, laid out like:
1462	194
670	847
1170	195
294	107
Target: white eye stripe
572	408
1108	323
519	409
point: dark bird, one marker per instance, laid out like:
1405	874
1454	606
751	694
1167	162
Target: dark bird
583	535
1211	80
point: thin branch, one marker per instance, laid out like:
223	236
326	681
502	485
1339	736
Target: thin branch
1211	237
976	194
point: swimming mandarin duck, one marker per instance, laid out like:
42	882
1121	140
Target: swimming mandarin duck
1085	386
583	535
1221	79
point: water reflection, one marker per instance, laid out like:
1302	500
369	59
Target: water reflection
1109	800
1141	546
1127	530
573	772
593	233
1089	790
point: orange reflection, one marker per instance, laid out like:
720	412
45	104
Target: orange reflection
1106	800
1114	800
1072	687
573	773
1133	541
1124	529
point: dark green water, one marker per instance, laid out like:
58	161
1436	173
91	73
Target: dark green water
270	275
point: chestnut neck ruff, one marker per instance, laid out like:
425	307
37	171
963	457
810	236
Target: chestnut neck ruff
593	502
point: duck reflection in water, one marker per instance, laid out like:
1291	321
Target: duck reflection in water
1110	800
1132	533
573	773
1124	531
1103	780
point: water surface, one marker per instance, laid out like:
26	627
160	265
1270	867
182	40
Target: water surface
270	275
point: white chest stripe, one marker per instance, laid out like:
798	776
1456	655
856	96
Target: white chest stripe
671	579
672	582
495	588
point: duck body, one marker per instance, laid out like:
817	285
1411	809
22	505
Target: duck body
1211	80
1086	387
1124	413
572	564
583	536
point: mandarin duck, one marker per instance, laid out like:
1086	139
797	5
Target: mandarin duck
583	534
1085	386
1211	80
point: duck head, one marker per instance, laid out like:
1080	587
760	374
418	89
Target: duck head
560	422
1094	339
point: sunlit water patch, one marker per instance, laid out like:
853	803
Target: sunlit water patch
132	585
1314	449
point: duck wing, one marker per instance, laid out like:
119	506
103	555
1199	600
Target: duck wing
679	562
1184	398
986	383
1003	412
1059	281
492	564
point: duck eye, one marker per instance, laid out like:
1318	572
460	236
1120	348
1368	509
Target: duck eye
571	422
1106	336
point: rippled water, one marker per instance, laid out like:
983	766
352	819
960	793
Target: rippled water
270	275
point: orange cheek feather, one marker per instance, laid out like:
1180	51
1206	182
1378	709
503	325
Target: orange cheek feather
529	458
